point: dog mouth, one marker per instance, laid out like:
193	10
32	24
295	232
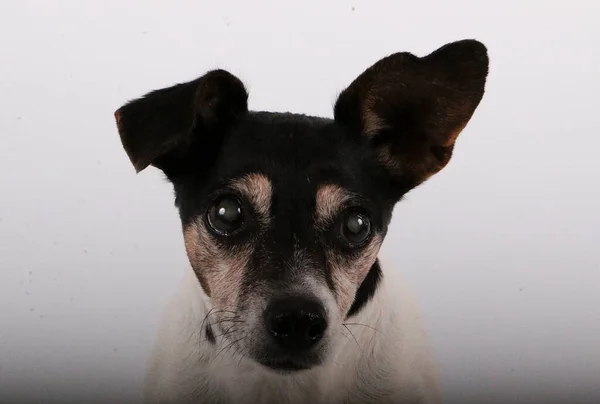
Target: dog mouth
285	363
284	366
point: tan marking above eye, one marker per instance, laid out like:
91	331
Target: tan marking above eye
258	191
330	200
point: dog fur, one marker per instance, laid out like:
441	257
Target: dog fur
285	206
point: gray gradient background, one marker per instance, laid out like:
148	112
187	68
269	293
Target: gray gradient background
501	247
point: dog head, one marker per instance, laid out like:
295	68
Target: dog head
283	214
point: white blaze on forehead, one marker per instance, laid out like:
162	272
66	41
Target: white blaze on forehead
258	191
330	200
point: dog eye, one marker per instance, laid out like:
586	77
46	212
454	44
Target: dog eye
225	216
356	228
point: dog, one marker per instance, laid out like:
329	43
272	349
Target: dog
283	217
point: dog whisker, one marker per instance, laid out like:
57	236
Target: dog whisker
355	340
228	320
225	349
205	317
230	330
362	325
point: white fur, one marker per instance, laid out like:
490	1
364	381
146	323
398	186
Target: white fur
386	360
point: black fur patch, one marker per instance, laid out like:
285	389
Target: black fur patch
210	335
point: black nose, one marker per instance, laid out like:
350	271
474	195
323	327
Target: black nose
296	323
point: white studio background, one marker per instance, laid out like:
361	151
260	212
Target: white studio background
502	247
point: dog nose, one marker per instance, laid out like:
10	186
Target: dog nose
295	323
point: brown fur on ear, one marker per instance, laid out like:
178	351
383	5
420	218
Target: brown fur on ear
165	121
413	109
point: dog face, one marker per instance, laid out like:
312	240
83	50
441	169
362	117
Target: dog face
283	214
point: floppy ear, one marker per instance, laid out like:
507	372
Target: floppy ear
413	109
162	125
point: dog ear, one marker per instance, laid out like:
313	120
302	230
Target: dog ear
163	124
412	109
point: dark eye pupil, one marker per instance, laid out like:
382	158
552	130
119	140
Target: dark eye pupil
355	224
225	216
356	228
228	211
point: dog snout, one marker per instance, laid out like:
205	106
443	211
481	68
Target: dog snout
295	323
